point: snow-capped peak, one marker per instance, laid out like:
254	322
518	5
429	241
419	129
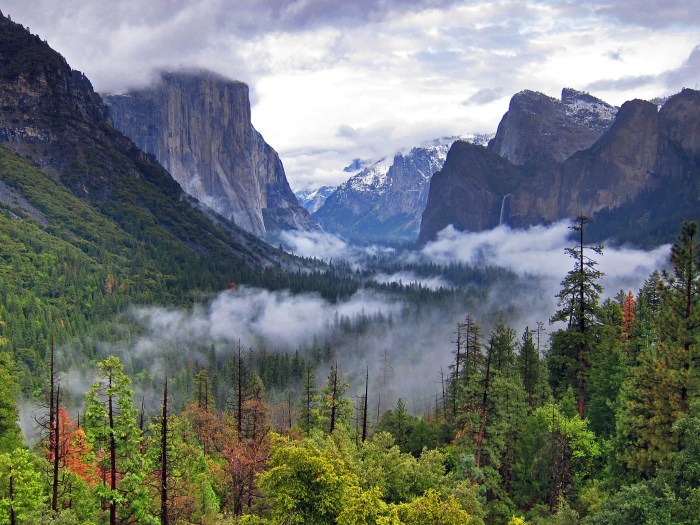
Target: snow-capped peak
371	179
587	109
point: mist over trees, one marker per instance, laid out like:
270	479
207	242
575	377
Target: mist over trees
358	417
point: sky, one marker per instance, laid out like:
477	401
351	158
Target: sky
336	80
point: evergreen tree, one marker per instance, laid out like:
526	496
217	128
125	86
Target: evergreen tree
308	402
335	408
680	302
530	369
657	391
110	424
578	307
10	434
606	370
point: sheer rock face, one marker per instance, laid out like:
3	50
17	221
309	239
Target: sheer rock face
643	151
198	126
617	167
543	129
51	116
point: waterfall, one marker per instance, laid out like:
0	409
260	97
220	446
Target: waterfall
503	209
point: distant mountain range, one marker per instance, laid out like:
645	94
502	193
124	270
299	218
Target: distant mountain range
312	200
634	169
385	199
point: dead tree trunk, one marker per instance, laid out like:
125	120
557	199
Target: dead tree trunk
164	459
364	407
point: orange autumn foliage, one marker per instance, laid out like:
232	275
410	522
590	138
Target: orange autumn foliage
74	450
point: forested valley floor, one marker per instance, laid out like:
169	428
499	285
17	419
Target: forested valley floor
594	419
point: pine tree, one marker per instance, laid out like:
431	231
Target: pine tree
335	407
530	369
680	302
658	390
578	307
110	423
308	402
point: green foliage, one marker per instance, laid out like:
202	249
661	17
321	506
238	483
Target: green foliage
305	483
10	434
400	476
110	424
308	401
553	443
334	409
21	469
644	502
606	372
433	508
362	507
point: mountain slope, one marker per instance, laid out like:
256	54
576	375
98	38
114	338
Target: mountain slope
90	224
384	202
642	153
198	126
50	115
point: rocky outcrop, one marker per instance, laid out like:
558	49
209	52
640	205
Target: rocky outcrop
198	126
538	128
647	160
617	167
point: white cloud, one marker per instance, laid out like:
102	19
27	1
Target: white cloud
398	71
329	247
539	251
278	320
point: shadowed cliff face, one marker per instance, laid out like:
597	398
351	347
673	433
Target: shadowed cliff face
645	152
198	126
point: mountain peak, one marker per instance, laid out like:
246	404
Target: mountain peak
540	128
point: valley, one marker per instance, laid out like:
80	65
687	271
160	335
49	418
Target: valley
439	339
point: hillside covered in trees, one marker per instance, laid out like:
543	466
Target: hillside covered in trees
131	394
596	424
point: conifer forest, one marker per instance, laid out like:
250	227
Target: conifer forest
591	416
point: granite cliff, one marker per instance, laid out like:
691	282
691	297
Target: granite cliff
544	129
198	126
52	119
524	179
